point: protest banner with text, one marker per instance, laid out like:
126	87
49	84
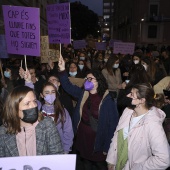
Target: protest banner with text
58	20
49	162
123	48
22	30
79	44
46	52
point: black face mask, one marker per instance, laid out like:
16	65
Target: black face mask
30	115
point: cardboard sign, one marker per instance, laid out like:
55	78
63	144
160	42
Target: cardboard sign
100	46
50	162
3	47
58	20
47	53
22	30
79	44
123	48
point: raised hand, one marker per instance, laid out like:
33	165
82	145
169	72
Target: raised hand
61	63
21	72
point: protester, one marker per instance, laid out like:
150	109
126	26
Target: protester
95	117
65	98
23	132
139	141
113	76
53	108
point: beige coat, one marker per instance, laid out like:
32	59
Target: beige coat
112	80
148	148
162	84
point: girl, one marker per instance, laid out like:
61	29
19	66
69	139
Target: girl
53	108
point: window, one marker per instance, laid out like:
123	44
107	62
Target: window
106	4
152	31
106	10
153	10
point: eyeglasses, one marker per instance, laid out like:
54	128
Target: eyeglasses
89	78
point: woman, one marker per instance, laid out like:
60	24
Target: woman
95	117
53	108
113	76
138	75
139	141
154	72
22	134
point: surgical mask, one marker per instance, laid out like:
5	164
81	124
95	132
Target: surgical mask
88	85
127	81
146	67
136	61
115	65
82	58
49	98
81	67
30	115
105	60
72	74
7	74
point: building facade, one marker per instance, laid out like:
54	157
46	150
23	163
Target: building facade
142	21
107	24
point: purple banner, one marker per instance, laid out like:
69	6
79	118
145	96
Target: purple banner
123	48
3	48
100	46
22	30
79	44
58	19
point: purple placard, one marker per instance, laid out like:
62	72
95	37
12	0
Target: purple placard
123	48
111	42
22	30
100	46
58	20
3	48
79	44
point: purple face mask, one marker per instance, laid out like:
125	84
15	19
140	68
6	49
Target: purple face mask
88	85
49	98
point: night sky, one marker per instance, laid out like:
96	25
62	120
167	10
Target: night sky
94	5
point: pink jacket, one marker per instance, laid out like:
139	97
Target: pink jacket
148	148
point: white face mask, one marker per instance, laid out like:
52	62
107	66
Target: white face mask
105	60
81	67
146	67
82	58
136	61
72	74
115	65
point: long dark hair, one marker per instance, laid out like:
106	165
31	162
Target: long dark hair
10	114
102	84
111	61
58	108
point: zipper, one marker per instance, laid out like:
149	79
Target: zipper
25	141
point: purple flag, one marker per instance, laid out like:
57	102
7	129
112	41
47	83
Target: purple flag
22	30
3	48
58	19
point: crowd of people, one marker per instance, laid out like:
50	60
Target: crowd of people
111	110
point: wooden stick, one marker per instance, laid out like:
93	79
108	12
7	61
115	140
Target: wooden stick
21	63
25	62
1	69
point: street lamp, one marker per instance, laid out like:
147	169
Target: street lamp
140	29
